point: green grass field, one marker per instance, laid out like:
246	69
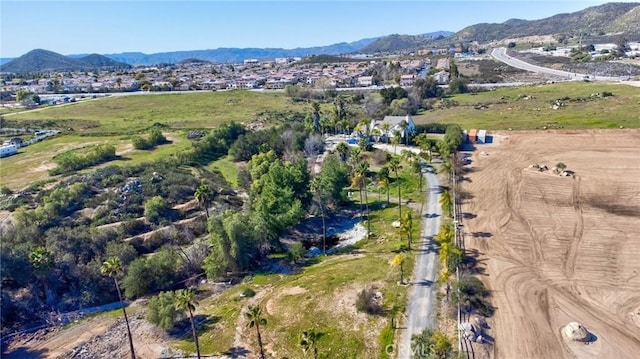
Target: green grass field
508	109
135	113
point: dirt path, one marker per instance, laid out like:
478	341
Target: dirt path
559	249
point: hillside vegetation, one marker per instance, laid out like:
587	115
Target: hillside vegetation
607	18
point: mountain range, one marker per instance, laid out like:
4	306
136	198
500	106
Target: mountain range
598	23
39	60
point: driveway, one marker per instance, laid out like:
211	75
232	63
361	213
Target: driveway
422	294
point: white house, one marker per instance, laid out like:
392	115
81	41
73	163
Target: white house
365	81
394	125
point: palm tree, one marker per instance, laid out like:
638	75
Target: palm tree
404	125
316	115
203	196
316	187
343	149
185	302
360	179
395	140
383	177
447	168
406	226
112	268
445	201
254	315
416	166
394	165
385	127
309	341
398	261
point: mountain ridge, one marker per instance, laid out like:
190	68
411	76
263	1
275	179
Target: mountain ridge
44	60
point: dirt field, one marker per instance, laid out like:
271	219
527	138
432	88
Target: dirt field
559	249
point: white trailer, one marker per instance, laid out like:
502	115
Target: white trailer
8	150
482	134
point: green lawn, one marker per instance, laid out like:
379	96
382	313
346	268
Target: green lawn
507	108
31	164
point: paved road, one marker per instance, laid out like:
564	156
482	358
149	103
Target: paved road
422	294
500	54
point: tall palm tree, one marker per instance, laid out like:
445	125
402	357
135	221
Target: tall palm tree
309	341
445	201
383	178
343	150
254	315
385	127
316	187
360	178
203	196
416	167
185	302
112	268
406	226
404	125
395	140
394	165
316	115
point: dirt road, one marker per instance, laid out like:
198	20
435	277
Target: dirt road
559	249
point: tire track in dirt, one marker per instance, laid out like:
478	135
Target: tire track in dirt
578	230
513	203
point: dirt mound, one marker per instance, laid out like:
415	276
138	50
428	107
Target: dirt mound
576	331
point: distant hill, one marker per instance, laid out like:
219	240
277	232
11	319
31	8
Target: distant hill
43	60
437	34
596	20
237	54
396	42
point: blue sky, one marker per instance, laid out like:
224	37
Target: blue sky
90	26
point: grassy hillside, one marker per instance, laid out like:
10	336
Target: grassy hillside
605	18
525	108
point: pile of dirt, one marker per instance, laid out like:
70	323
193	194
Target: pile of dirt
576	332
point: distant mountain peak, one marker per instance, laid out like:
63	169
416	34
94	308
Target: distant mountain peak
40	60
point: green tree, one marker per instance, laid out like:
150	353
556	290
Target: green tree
404	126
406	227
384	179
231	237
360	180
42	262
394	165
185	301
343	150
416	167
255	320
203	196
458	86
446	202
317	188
309	341
155	209
162	311
112	268
385	127
395	140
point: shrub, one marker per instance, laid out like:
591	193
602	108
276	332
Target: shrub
296	252
368	302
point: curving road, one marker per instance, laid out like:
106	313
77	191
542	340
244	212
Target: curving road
500	54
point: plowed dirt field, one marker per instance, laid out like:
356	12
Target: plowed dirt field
558	249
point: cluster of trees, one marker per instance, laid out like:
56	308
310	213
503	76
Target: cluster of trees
155	138
431	344
73	161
